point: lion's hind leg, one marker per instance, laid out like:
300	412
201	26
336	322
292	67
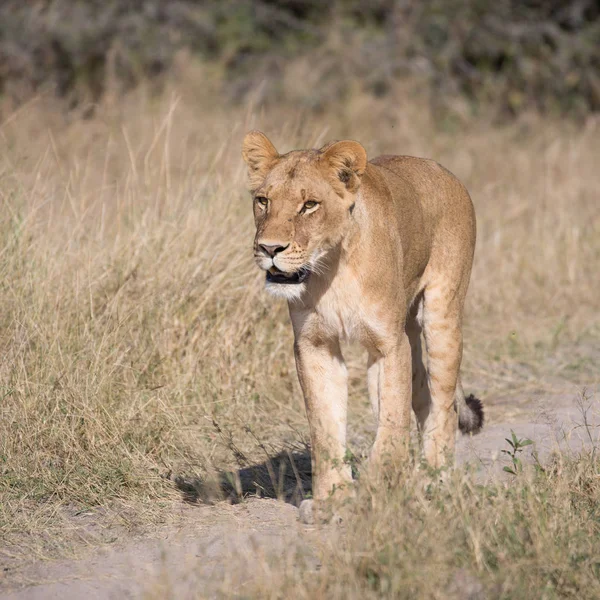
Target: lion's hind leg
421	398
442	327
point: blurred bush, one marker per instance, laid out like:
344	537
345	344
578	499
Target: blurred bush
508	54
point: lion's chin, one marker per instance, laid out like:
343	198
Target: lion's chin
289	291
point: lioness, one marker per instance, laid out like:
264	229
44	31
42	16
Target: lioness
378	252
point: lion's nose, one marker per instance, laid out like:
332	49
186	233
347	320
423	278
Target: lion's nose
272	250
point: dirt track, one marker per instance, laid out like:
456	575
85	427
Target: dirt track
205	540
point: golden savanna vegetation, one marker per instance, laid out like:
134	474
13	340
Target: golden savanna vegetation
138	348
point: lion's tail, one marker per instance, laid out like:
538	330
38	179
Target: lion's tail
470	413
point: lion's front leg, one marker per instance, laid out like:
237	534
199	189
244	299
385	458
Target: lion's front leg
394	390
323	377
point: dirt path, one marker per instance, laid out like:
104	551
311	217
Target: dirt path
208	538
206	541
551	422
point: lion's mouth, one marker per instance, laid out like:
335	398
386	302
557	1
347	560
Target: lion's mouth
275	275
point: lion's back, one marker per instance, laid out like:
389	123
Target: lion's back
440	193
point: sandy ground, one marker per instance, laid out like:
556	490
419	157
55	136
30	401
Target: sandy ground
207	539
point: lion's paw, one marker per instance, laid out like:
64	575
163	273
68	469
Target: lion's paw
311	514
306	513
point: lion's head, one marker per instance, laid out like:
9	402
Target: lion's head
303	202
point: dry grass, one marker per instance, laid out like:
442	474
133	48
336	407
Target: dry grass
132	318
538	537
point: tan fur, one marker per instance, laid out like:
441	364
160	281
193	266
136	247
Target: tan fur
390	247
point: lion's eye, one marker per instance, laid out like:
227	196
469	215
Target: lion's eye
309	205
262	201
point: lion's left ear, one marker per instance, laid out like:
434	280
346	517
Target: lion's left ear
260	156
347	160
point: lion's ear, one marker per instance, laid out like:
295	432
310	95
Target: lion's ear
347	160
260	155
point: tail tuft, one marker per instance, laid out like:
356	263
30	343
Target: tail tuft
471	417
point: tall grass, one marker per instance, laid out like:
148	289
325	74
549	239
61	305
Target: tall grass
132	319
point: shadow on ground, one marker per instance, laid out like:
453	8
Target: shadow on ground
286	476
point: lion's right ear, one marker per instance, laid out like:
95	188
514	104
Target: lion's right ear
260	156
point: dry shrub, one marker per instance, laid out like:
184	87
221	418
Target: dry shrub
510	55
